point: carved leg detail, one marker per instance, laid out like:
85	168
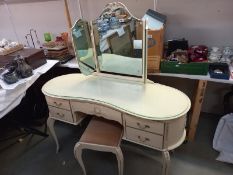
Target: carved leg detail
120	161
166	162
50	123
78	156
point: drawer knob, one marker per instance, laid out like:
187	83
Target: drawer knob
142	126
60	115
143	140
57	104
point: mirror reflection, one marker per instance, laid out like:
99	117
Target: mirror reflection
118	41
83	47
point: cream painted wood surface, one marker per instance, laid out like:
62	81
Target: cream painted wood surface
61	114
153	115
145	125
85	107
108	113
145	138
150	101
59	103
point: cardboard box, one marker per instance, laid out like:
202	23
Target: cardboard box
155	50
155	39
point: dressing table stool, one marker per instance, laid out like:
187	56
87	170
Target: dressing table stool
101	135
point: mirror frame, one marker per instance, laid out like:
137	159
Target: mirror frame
142	78
86	70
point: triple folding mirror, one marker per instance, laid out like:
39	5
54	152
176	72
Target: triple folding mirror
114	43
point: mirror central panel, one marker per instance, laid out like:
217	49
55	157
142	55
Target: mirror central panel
118	41
110	44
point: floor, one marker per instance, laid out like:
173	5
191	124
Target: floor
34	155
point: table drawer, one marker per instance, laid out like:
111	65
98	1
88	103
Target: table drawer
59	103
144	124
84	107
60	114
145	138
108	113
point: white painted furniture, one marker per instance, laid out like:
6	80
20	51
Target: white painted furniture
152	115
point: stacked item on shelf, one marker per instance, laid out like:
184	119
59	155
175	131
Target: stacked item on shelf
15	70
34	57
219	70
7	47
11	50
182	59
57	53
20	64
56	49
195	60
221	62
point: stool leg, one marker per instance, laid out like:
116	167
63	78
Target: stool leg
120	160
166	162
50	124
78	156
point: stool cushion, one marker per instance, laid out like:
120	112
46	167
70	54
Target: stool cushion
102	132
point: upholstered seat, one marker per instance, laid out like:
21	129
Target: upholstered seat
101	135
102	132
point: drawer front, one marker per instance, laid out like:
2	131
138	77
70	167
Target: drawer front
59	103
84	107
108	113
60	114
145	138
144	124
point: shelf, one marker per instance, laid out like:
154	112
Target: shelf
194	77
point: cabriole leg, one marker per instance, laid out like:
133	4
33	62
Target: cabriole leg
50	123
78	155
166	162
120	161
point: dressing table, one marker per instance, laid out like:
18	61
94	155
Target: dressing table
115	87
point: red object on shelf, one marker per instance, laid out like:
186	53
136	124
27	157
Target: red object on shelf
198	53
59	39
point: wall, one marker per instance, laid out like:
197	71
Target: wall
46	16
200	21
137	7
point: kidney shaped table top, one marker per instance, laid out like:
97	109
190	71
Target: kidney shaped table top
151	100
